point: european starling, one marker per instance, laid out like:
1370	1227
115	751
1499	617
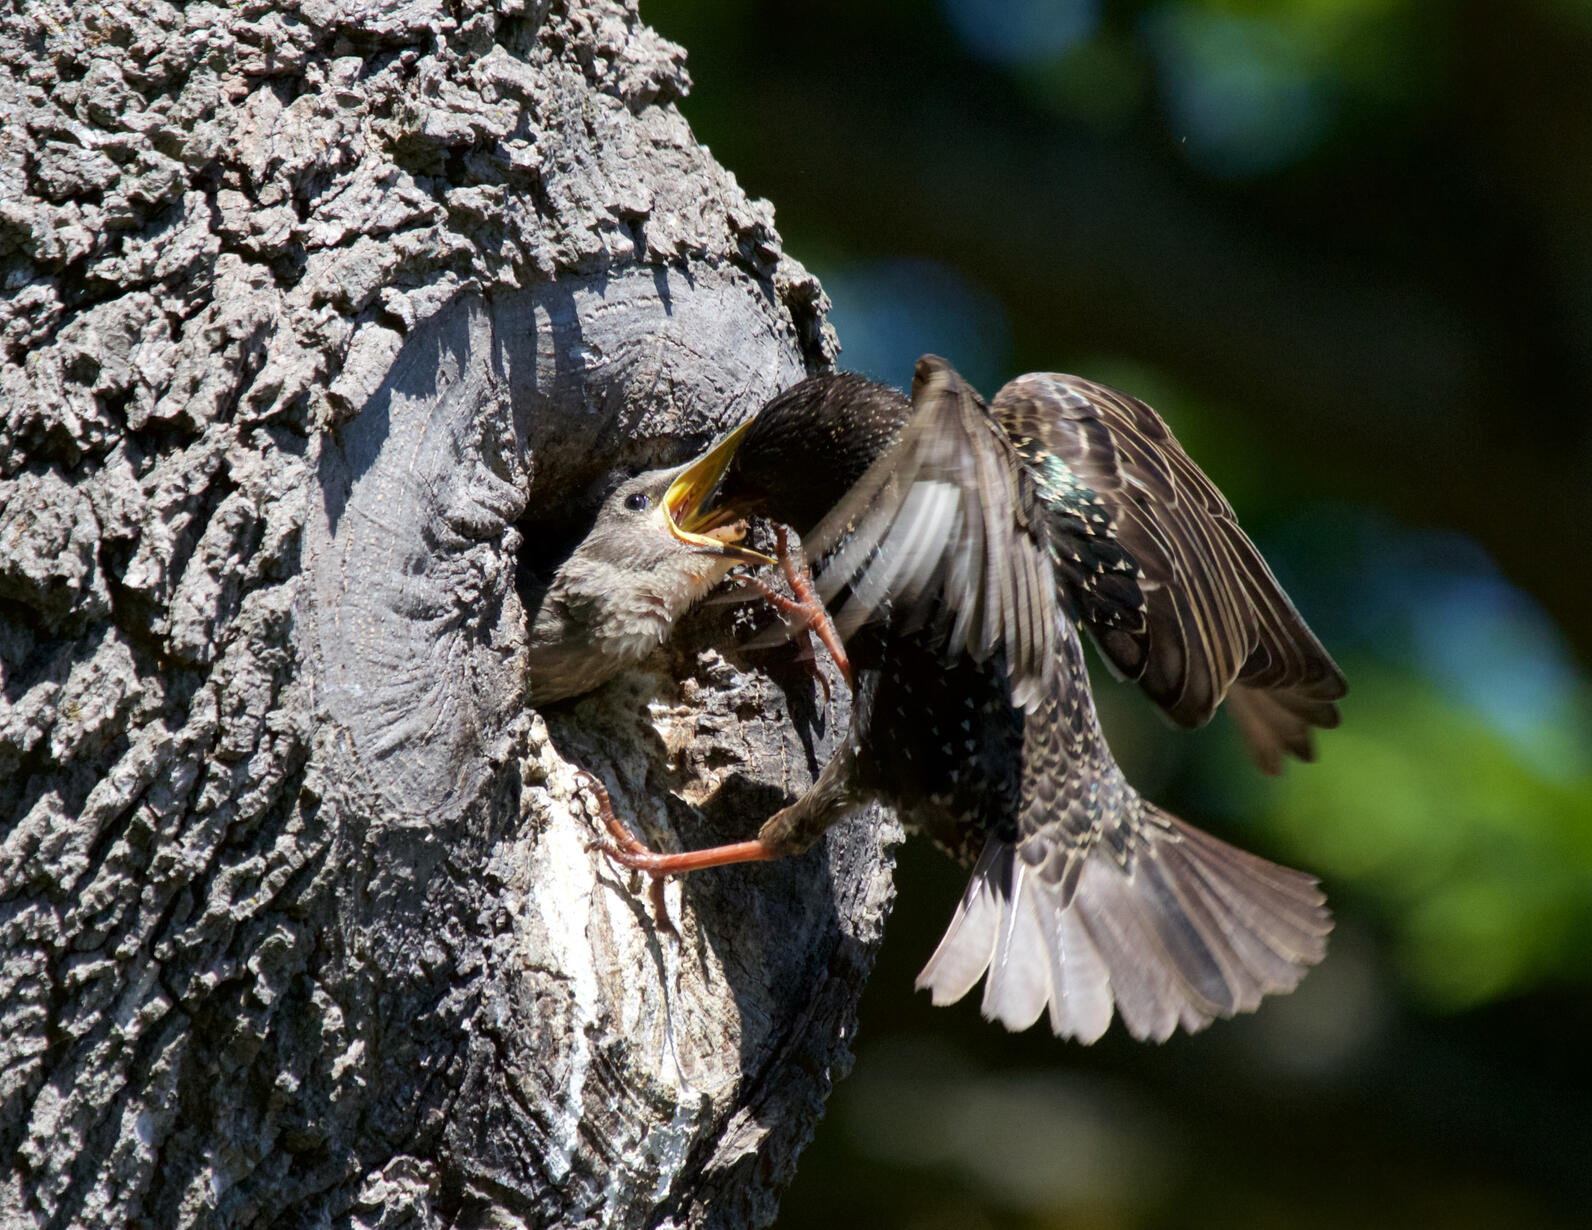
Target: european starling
964	546
615	599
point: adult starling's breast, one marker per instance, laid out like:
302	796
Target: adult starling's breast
968	546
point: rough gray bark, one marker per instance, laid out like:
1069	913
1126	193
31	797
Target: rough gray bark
318	319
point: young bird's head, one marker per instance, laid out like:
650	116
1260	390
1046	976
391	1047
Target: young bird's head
617	596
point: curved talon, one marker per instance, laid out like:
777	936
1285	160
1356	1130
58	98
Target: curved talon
799	623
801	585
624	849
628	851
804	613
618	834
809	658
627	859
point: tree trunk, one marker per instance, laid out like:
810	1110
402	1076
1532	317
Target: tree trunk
321	321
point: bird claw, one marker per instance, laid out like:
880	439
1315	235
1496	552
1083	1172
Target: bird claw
808	657
816	616
621	845
803	613
624	849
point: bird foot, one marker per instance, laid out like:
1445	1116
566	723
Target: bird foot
797	630
804	612
623	847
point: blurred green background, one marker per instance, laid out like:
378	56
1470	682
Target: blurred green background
1345	248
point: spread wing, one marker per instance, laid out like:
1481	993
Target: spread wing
1208	620
946	525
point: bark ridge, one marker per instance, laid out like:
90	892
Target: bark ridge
320	322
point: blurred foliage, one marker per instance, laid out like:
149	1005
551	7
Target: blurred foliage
1458	800
1344	247
1478	860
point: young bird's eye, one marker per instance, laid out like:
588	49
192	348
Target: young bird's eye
639	502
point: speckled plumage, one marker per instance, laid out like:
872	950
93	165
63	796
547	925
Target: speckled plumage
962	549
1197	616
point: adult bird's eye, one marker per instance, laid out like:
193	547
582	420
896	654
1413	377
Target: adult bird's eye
639	502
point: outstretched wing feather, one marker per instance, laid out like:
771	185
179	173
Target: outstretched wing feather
949	499
1206	614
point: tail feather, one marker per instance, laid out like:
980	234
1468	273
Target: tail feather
958	967
1191	981
1153	993
1247	960
1196	930
1018	987
1080	1005
1288	917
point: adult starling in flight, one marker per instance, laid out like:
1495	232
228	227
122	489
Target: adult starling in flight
963	546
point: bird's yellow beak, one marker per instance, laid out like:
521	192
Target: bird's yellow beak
718	531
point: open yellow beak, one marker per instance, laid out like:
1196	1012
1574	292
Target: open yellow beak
718	532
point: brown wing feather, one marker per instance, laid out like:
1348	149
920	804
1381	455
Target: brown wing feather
1213	616
947	524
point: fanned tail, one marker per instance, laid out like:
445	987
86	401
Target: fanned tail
1196	930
